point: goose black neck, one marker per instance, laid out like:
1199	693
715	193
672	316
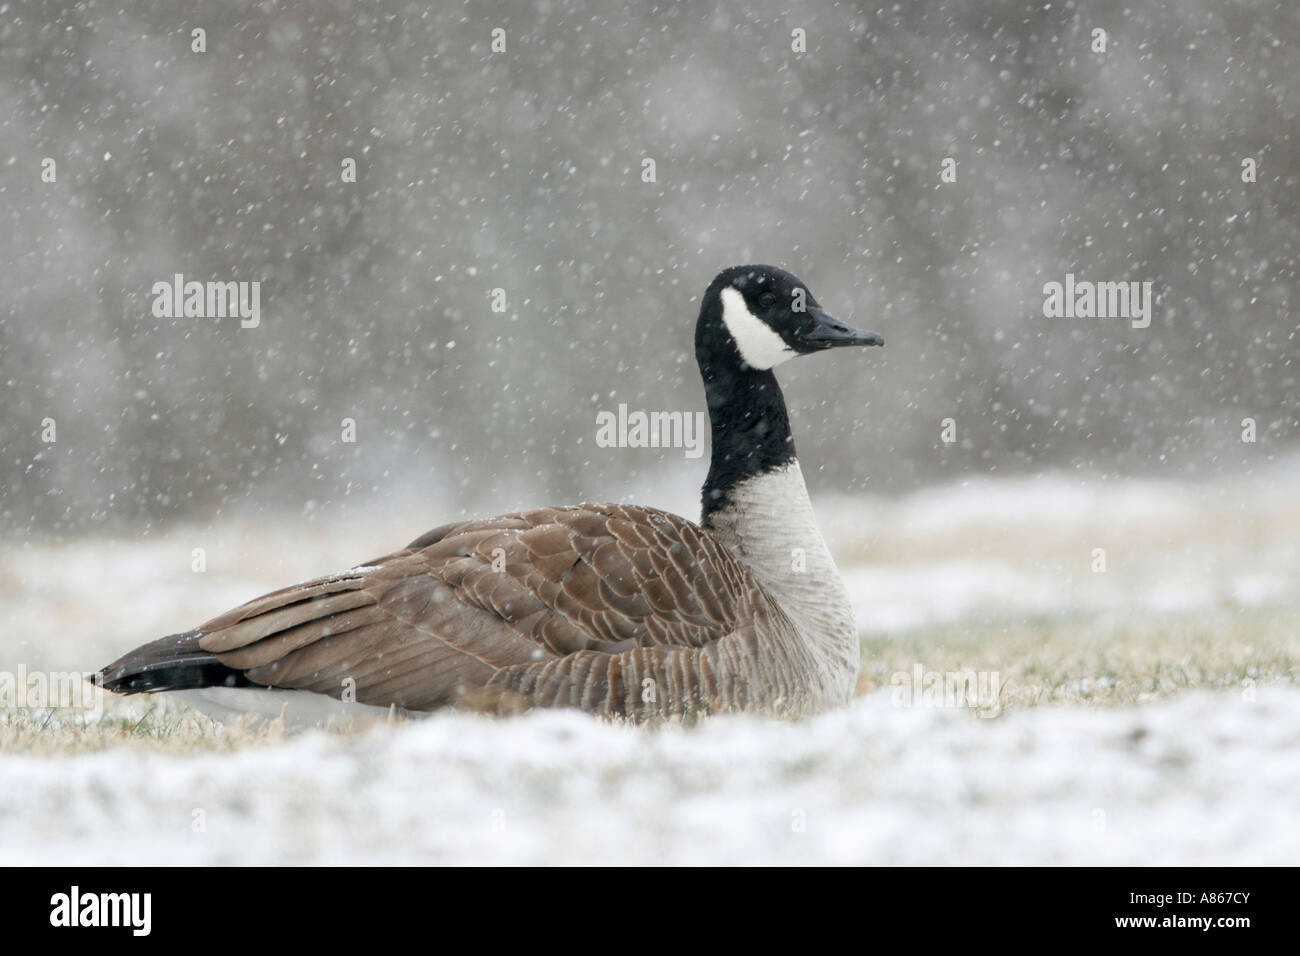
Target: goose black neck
750	425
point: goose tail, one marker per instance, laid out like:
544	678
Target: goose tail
175	662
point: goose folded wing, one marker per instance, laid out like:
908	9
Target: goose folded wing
423	626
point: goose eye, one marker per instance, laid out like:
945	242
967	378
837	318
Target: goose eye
767	300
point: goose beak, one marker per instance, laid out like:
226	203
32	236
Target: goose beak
829	332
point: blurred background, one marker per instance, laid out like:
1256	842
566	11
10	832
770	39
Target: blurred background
522	171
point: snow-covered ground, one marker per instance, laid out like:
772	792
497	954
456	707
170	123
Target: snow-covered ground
1200	779
1056	544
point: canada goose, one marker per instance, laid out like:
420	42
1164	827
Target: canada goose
619	610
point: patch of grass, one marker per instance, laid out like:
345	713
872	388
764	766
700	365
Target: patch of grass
154	723
1096	660
1099	660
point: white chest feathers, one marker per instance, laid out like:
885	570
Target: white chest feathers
769	525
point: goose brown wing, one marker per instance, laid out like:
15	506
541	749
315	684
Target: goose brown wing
568	587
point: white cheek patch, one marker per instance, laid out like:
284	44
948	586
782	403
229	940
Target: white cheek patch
759	346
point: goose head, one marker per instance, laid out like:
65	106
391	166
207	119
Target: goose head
757	317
